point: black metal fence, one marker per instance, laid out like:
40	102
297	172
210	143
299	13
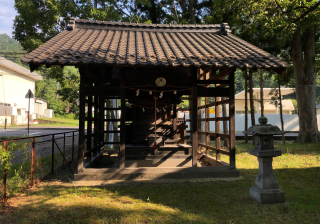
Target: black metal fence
25	160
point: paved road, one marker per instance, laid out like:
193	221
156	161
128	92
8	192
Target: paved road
33	132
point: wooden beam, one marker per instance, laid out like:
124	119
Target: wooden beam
208	82
214	119
111	131
110	108
101	123
194	120
89	128
207	125
174	120
96	124
232	133
81	122
221	75
111	97
214	149
123	122
214	134
217	128
214	104
199	123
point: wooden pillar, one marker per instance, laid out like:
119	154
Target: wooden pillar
168	113
89	129
194	120
174	120
96	125
217	129
232	133
101	123
199	123
81	121
207	126
123	123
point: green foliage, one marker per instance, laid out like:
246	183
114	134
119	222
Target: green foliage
67	116
9	49
19	177
60	87
6	155
295	104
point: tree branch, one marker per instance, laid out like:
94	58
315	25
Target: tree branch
73	2
119	9
307	12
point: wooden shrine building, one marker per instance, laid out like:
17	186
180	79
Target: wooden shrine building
149	69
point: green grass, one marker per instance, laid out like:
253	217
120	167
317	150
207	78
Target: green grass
297	171
62	120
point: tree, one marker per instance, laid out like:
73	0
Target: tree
296	22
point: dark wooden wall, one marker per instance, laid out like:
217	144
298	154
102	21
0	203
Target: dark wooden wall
98	84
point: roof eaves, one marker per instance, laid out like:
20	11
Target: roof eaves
19	69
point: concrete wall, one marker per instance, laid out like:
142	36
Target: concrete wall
291	121
13	88
40	106
287	107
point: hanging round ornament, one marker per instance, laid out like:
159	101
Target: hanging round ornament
160	81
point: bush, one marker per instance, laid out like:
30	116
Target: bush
67	116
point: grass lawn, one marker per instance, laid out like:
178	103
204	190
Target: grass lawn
297	171
61	122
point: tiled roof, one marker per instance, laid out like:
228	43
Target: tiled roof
17	68
138	44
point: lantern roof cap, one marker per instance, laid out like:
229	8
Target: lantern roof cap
263	128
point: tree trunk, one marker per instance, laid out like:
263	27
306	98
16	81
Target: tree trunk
175	10
305	76
192	11
281	116
246	105
225	123
261	93
261	90
251	100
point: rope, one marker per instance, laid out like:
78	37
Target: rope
147	107
148	90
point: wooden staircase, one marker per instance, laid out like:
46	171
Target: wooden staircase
169	152
144	131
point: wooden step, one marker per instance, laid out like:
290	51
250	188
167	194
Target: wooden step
105	174
159	123
172	141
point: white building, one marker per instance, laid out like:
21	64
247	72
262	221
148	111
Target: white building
287	105
15	81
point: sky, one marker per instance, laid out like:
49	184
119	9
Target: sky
7	15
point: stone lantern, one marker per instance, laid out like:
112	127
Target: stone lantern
266	189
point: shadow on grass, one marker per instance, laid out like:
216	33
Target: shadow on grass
191	202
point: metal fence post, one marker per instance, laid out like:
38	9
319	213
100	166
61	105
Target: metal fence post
5	174
52	154
32	161
64	149
72	146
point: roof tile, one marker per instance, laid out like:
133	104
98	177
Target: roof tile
129	44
